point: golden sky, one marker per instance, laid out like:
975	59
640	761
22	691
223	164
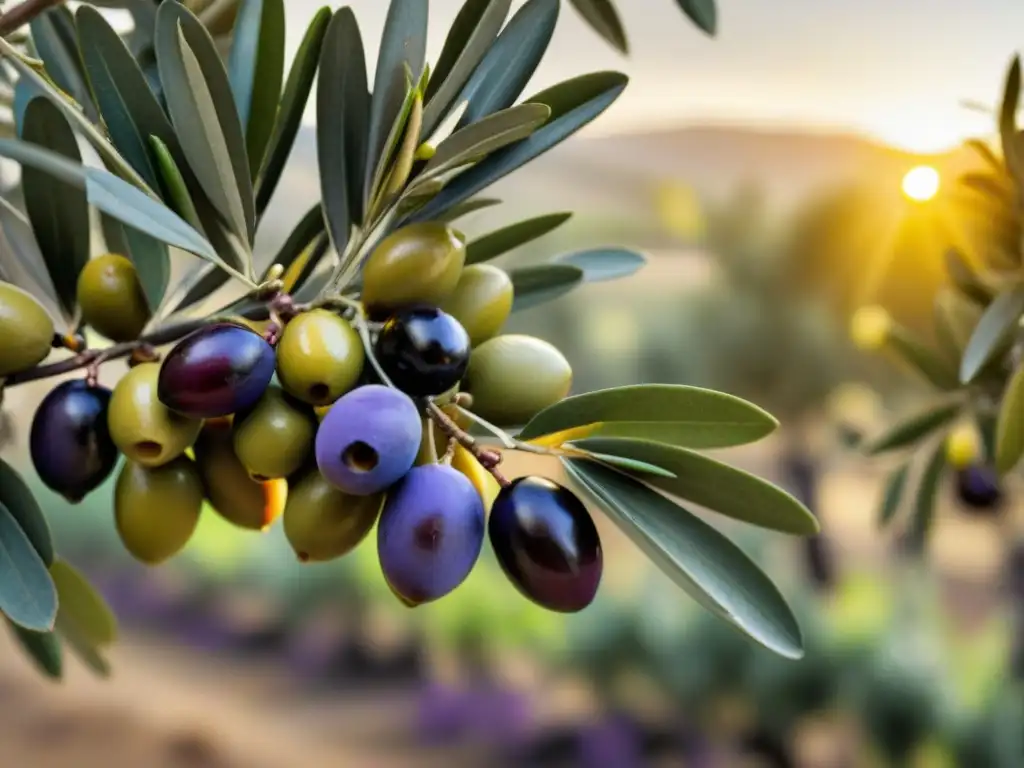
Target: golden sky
894	69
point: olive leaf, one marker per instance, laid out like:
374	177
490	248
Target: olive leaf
965	278
152	263
115	197
256	72
57	210
625	463
478	140
709	567
172	181
21	263
293	104
677	413
202	109
310	227
603	19
600	264
403	48
467	207
711	484
1010	424
500	241
703	13
925	361
27	594
82	607
88	654
128	106
956	317
893	494
914	428
542	283
1008	118
55	40
510	62
405	155
924	502
996	327
342	101
19	501
470	37
42	647
574	104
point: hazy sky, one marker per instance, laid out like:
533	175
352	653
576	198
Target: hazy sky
896	69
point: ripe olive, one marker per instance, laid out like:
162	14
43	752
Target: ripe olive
319	357
156	509
322	522
230	490
111	298
513	377
26	330
274	436
482	301
144	429
423	350
417	264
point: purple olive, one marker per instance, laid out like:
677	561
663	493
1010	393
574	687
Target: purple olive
546	543
368	440
70	443
979	488
423	350
430	533
216	371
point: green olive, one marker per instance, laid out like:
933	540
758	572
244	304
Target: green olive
144	429
156	509
420	263
322	522
111	297
230	490
26	330
482	301
275	436
319	357
513	377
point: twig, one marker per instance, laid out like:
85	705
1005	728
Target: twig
489	459
93	357
23	13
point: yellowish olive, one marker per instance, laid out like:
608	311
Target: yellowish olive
319	357
323	523
26	330
481	302
111	298
156	509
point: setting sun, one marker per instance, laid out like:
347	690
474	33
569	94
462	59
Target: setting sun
921	183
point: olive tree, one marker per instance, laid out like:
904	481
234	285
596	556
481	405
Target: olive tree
358	378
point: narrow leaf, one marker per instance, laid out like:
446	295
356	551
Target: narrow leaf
703	13
309	228
476	141
1010	425
173	184
627	464
82	606
256	71
293	104
603	19
711	484
57	210
914	428
579	101
389	150
675	405
202	109
405	153
965	278
996	327
341	104
43	648
22	263
545	282
709	567
924	360
510	61
87	654
27	594
129	108
152	263
1008	117
924	503
21	504
403	46
467	207
600	264
500	241
53	35
470	37
894	487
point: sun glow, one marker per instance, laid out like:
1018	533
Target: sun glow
921	183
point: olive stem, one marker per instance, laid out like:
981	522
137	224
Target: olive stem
506	439
89	357
23	13
489	459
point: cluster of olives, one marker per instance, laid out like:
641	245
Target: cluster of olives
301	423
